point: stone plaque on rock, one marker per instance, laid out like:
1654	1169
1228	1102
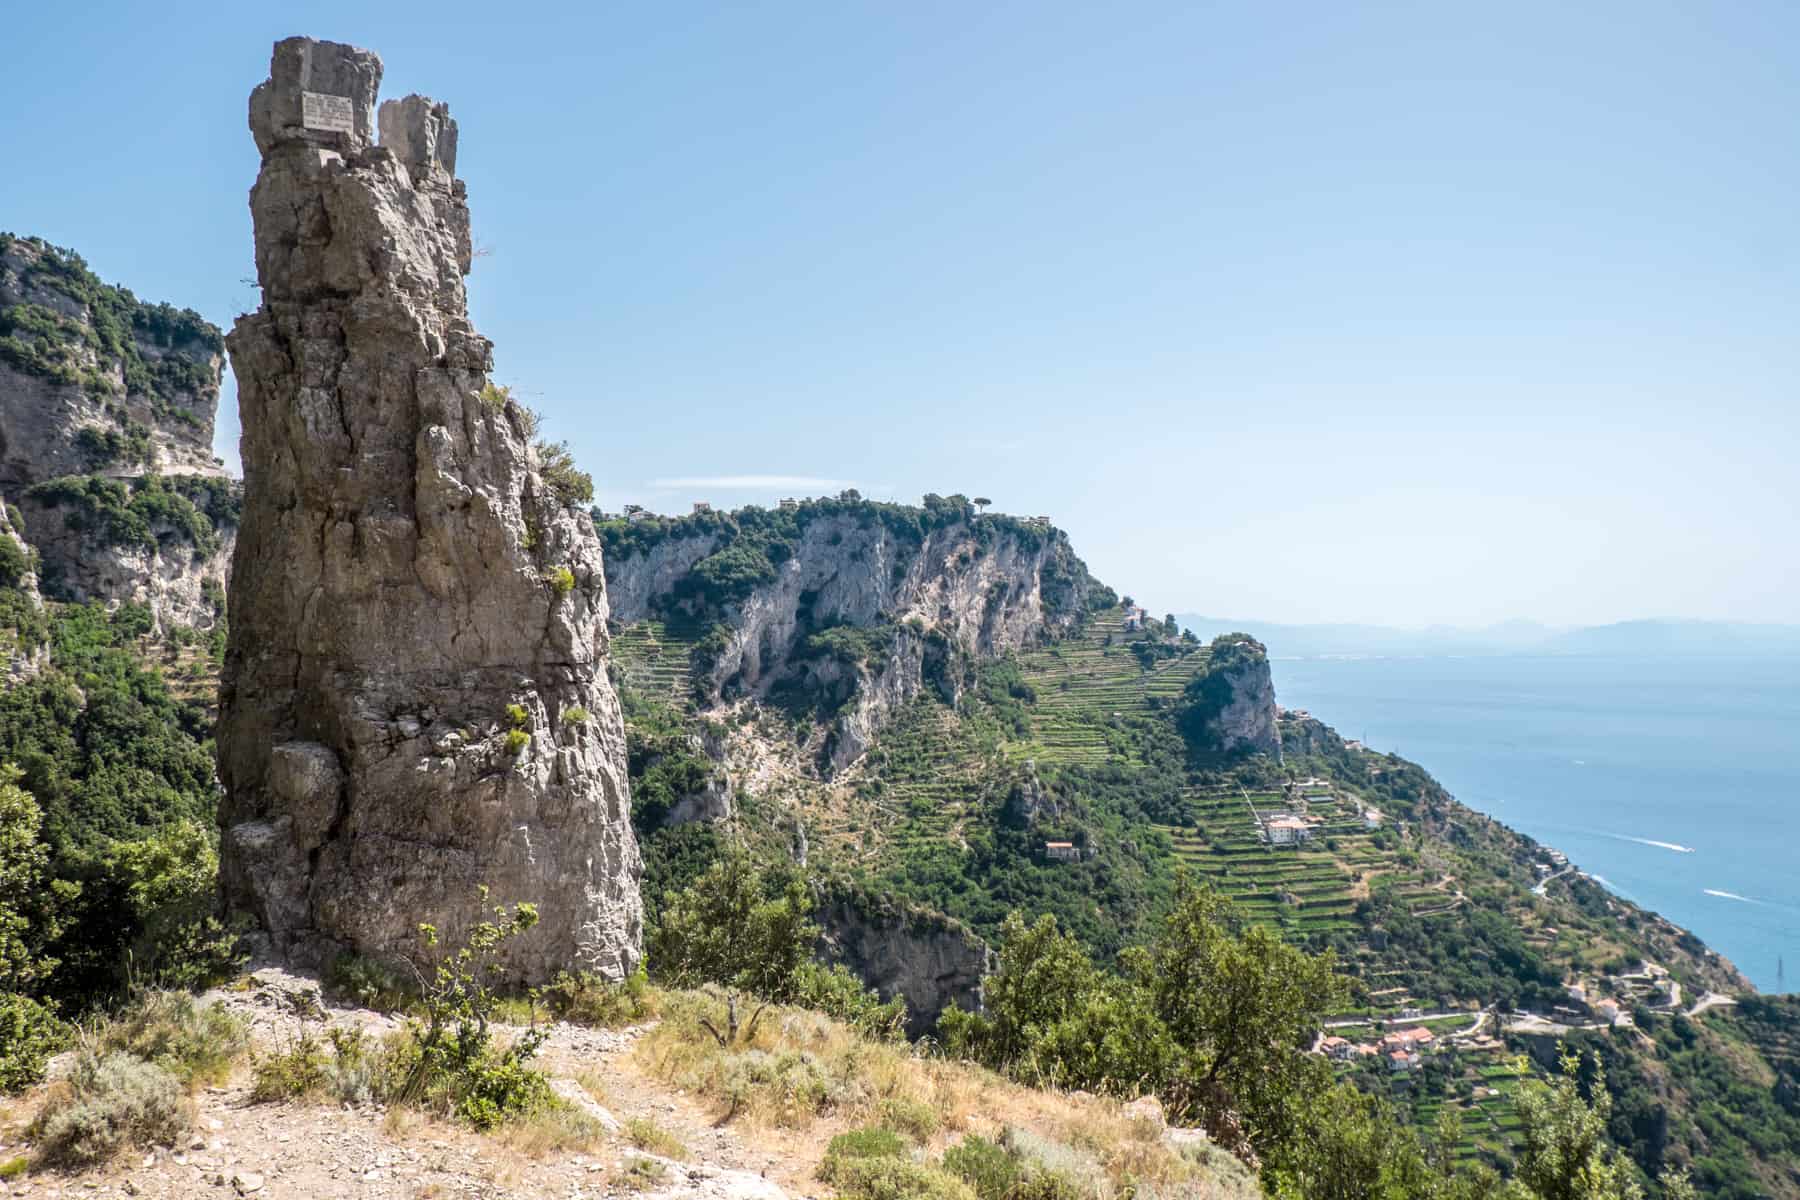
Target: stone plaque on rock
331	114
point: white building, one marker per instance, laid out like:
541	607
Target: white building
1286	830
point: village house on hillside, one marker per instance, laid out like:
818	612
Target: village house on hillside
1286	829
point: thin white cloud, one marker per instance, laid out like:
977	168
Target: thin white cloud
752	483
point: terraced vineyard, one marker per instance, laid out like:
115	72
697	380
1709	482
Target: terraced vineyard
1087	685
929	772
656	658
1303	889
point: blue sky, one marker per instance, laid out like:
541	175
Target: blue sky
1367	312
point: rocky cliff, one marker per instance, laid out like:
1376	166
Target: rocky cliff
904	950
24	650
1230	708
414	703
106	430
851	606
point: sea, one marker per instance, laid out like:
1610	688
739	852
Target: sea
1675	782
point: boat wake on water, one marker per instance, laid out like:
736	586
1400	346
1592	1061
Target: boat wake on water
1677	847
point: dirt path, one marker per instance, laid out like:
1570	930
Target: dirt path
325	1152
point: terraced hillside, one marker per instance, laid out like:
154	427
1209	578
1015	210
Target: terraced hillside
1078	776
656	659
1088	685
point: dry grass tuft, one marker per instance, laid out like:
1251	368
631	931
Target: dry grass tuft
554	1129
647	1135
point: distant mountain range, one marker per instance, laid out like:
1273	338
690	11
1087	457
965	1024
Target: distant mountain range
1653	637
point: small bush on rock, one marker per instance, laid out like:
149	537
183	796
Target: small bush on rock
561	581
109	1101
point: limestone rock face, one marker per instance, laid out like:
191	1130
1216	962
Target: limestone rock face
930	959
180	582
142	380
409	600
959	593
1232	706
23	653
100	391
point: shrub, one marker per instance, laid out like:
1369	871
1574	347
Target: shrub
575	714
26	924
915	1118
495	396
170	880
447	1059
873	1142
1052	1170
371	983
570	485
108	1102
29	1035
835	992
517	716
15	562
345	1068
736	925
984	1166
295	1073
587	999
194	1043
643	1173
561	580
516	741
896	1179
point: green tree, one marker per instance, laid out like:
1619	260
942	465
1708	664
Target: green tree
27	911
1566	1154
1354	1149
736	926
1243	1005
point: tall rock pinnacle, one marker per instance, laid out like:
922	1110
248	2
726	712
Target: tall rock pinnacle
414	702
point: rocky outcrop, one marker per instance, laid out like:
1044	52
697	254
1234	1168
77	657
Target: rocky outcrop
929	959
1230	708
414	703
145	542
861	610
100	392
24	650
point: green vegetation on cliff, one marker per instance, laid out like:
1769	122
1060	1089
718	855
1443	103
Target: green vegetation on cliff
116	331
145	512
750	544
